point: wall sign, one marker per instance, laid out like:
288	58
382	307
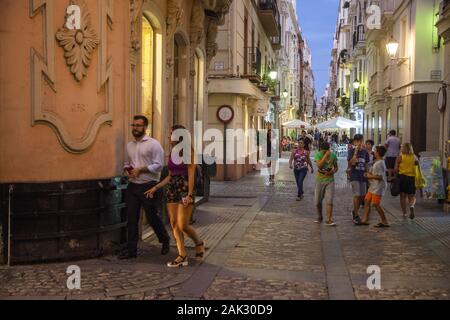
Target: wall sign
432	171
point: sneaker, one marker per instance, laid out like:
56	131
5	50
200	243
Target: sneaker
318	220
298	199
411	213
178	262
330	224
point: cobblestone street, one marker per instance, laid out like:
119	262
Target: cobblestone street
263	244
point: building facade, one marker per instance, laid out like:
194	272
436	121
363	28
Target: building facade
69	87
444	121
239	77
403	87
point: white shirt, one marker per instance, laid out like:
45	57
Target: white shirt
145	153
378	187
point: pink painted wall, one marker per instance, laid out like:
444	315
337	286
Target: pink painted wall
34	153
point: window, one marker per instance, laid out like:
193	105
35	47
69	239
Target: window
400	122
380	125
367	126
388	121
404	38
176	83
198	86
372	132
147	71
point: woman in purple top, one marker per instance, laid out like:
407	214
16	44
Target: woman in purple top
180	203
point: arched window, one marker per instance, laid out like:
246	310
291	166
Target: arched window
180	66
198	85
148	37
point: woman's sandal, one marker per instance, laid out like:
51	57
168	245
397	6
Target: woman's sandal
180	261
200	255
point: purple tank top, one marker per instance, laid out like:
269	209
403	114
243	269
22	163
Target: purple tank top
177	169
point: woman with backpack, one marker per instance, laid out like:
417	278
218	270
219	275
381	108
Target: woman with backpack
300	161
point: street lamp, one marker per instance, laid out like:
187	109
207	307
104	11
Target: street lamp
285	94
392	49
356	84
273	74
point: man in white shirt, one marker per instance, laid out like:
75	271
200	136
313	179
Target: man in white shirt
392	145
143	165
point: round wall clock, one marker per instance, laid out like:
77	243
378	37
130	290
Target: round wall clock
442	98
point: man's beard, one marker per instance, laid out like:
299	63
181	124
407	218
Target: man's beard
138	134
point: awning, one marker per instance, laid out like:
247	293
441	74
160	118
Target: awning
339	123
296	124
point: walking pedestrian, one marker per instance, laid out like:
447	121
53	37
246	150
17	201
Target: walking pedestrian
358	160
392	145
300	161
405	166
271	165
143	166
369	148
306	140
377	187
180	202
327	165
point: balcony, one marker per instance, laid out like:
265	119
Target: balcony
359	96
276	41
359	35
344	24
252	65
269	17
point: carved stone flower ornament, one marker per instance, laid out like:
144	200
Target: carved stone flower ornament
78	44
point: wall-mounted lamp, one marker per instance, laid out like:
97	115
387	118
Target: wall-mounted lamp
392	49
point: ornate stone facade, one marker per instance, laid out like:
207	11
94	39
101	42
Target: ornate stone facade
79	44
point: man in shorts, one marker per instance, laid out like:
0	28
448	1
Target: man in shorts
358	161
327	166
378	184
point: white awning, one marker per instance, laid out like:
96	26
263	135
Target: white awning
339	123
296	124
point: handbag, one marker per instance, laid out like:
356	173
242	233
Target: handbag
395	187
420	179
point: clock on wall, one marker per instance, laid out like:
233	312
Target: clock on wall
442	98
225	114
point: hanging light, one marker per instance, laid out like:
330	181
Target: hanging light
392	48
356	84
285	94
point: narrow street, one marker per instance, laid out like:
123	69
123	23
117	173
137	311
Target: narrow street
262	244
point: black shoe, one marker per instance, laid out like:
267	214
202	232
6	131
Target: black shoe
165	248
356	218
126	256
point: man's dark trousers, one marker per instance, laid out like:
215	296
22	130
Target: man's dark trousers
135	200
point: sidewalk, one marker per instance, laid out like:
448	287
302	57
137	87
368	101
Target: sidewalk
263	244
